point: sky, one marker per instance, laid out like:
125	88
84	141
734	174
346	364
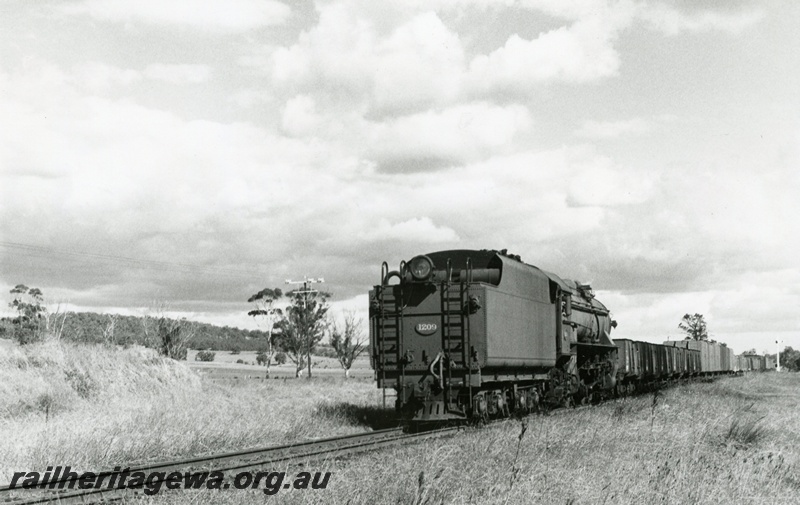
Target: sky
193	152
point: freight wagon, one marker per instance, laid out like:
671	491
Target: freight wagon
642	362
715	358
756	363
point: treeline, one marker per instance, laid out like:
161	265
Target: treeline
295	334
91	327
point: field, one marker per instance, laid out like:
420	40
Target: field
225	366
736	440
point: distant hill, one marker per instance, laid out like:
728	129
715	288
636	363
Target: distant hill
97	328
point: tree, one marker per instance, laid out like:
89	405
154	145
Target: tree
170	336
694	326
303	326
348	342
174	335
108	331
29	324
268	314
790	359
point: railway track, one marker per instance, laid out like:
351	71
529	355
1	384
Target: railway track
227	463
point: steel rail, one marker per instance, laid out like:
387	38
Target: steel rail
236	461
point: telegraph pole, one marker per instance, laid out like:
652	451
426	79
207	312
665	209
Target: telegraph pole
305	291
778	353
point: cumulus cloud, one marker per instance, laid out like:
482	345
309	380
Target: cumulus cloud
214	15
435	139
300	116
404	58
415	65
100	77
767	297
695	232
665	16
418	230
121	172
613	129
600	183
430	140
177	74
582	52
672	21
351	54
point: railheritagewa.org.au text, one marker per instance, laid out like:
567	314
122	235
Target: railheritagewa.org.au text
62	477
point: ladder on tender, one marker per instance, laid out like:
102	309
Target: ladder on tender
389	331
455	326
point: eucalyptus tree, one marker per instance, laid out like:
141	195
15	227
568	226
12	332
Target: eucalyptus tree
694	325
303	326
348	342
268	315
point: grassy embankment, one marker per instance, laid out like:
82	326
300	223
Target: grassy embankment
93	406
736	440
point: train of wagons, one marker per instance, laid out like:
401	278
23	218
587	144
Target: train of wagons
479	334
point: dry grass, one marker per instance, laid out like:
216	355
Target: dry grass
94	407
707	443
736	440
677	447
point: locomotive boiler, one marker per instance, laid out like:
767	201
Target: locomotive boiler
475	334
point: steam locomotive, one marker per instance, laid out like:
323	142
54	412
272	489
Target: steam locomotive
476	334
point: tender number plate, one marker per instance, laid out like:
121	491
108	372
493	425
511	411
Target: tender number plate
426	328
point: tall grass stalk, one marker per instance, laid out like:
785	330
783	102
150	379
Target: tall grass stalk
514	468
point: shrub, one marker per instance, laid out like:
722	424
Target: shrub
205	356
47	403
175	336
261	358
280	358
745	429
240	361
81	382
325	352
26	332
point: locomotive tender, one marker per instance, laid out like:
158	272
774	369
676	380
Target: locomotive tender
477	334
474	334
